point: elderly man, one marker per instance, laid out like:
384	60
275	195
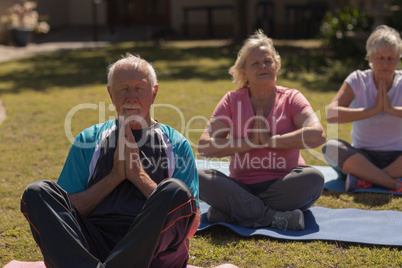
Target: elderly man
128	193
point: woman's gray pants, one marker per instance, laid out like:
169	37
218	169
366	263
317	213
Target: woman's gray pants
255	205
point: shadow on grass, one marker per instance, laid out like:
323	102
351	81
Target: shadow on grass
371	200
89	66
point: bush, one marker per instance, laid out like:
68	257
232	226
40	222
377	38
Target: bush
336	24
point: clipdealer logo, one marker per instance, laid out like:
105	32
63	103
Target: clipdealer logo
186	129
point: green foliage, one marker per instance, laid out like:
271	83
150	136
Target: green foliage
337	70
335	26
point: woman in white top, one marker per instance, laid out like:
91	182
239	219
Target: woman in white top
372	100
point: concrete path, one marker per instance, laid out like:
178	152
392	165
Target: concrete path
82	37
74	38
8	53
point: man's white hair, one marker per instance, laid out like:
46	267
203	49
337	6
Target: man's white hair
136	62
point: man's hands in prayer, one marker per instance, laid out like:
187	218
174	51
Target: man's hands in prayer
127	163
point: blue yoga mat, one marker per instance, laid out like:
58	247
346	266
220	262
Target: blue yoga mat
334	181
346	225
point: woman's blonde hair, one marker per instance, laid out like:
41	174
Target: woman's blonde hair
383	35
258	39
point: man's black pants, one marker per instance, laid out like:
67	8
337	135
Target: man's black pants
156	238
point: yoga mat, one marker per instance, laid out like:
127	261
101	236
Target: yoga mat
40	264
346	225
334	180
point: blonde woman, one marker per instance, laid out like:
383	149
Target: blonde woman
262	127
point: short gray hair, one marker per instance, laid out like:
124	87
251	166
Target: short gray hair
258	39
383	35
136	62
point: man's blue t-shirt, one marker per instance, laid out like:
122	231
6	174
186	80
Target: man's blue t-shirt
164	153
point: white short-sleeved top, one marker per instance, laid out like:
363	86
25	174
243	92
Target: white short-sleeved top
382	132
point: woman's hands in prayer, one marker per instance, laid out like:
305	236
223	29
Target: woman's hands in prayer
260	134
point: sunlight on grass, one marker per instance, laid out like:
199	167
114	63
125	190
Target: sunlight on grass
41	91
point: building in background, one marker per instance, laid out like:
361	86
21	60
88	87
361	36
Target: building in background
196	19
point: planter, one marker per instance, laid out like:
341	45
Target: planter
21	37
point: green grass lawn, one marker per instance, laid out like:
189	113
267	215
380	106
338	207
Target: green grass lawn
41	91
